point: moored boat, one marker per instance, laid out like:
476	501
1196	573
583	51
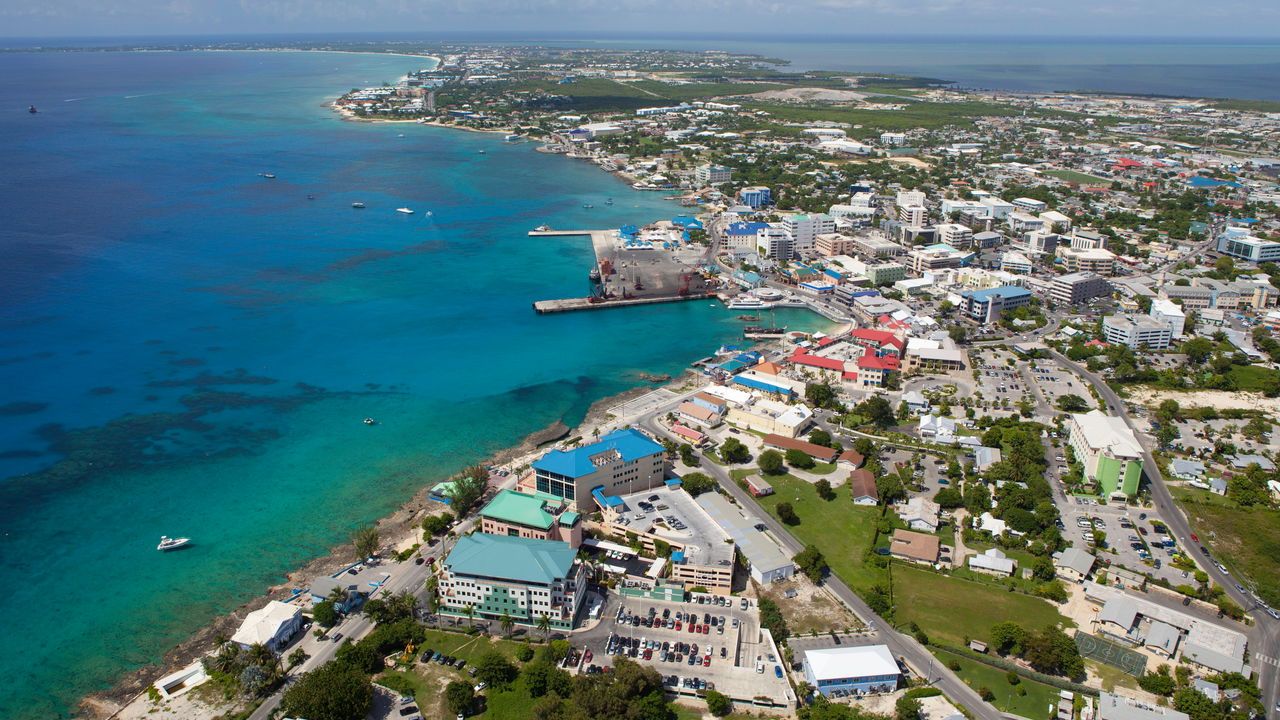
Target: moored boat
167	543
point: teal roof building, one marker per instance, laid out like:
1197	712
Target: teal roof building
504	576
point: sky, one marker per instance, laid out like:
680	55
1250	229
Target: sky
1147	18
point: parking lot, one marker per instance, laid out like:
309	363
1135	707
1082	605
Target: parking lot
1055	382
1130	532
1000	384
694	646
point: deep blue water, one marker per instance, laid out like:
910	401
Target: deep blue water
187	348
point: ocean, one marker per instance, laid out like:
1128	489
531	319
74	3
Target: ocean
188	348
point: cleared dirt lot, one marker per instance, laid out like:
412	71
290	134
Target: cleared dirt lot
810	608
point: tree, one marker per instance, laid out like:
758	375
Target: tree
823	487
1007	637
1052	652
799	459
507	623
771	462
542	676
333	691
877	410
820	437
458	696
718	703
1159	682
696	483
687	457
734	452
907	708
544	626
366	541
297	657
949	498
1195	704
494	669
467	489
434	525
1197	350
325	614
811	562
787	514
821	395
1072	403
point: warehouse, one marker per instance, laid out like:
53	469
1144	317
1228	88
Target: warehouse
768	562
865	669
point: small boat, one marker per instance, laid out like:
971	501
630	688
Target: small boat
406	211
269	176
481	152
311	197
32	110
587	206
512	138
749	318
401	135
542	228
609	201
167	543
358	205
370	421
429	213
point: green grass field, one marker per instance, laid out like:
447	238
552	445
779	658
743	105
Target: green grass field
1247	540
1253	377
1077	177
917	114
1035	704
946	607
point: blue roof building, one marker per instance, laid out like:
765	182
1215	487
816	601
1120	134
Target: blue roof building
986	306
621	462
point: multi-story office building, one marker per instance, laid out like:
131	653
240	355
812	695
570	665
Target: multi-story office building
998	209
531	516
1020	222
936	257
913	215
622	461
951	207
1107	449
742	235
885	273
711	174
955	235
875	246
503	576
1168	313
831	244
1016	263
985	306
775	243
1136	332
1192	298
1102	262
805	229
1039	243
1030	205
1237	243
755	196
1079	287
909	197
1088	240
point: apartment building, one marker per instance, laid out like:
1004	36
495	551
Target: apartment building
805	229
1107	449
1079	287
956	235
711	174
1137	332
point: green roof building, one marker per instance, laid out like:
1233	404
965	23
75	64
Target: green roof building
516	577
538	517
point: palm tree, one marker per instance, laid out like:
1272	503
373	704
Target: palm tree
470	612
544	624
366	541
262	656
338	597
507	622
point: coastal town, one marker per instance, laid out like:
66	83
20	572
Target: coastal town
1027	470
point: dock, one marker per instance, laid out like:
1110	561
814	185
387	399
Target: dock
549	307
566	233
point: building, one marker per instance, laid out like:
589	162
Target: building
624	460
1109	452
876	246
832	244
1135	620
920	513
742	235
768	564
860	669
936	257
1020	222
521	578
992	562
939	427
1016	262
885	273
955	235
1135	333
1168	313
1073	564
1115	707
909	197
1076	288
912	215
516	514
805	229
711	174
702	553
699	414
775	243
986	306
998	209
820	453
1029	205
862	487
893	139
1247	247
755	197
915	546
273	626
1102	262
1189	297
772	417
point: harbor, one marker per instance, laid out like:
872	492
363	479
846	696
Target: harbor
635	266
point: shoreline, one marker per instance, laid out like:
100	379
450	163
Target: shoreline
399	530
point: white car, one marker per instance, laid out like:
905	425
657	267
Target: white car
479	686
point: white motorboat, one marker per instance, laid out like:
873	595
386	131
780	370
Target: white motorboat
748	303
358	205
406	211
167	543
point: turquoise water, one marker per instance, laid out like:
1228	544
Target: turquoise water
187	348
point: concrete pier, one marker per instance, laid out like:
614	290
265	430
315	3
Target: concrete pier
548	307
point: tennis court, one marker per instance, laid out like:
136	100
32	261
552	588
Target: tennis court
1111	653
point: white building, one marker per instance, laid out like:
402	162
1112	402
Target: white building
893	139
957	236
521	578
1016	262
1169	313
1030	205
775	243
1136	332
997	209
711	174
271	626
992	562
858	669
909	197
805	229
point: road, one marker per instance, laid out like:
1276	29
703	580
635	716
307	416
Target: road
900	645
1264	637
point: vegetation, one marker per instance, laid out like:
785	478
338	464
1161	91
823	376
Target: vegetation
696	483
365	541
732	451
333	691
811	563
771	463
1247	536
468	487
1028	699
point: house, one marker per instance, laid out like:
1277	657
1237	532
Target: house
1218	486
992	562
1186	469
920	513
859	669
758	486
916	401
1073	564
915	547
820	453
862	486
324	589
272	626
992	524
851	458
939	427
698	414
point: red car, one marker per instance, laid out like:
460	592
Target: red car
704	629
706	661
679	625
586	657
1194	538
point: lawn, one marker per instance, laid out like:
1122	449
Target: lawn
514	702
1111	677
951	609
1077	177
426	681
1035	704
947	607
1247	540
1253	377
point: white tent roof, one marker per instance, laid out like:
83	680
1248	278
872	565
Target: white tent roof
851	662
263	625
